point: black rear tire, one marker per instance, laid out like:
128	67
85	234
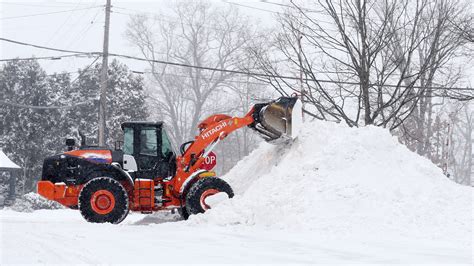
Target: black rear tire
112	187
193	198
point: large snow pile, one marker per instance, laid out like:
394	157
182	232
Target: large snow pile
350	181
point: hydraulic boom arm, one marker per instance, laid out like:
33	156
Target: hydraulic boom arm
212	130
275	120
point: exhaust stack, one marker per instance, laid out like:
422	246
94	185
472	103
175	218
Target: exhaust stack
279	120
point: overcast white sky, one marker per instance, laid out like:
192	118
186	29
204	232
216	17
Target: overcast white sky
81	27
78	25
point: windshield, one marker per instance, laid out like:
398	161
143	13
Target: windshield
148	141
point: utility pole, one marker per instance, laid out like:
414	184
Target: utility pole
103	77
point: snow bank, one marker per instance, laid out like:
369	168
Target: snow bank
340	180
33	201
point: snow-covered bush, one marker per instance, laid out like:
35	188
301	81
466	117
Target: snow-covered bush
4	188
4	185
32	201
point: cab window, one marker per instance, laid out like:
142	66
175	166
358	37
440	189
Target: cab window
128	141
148	141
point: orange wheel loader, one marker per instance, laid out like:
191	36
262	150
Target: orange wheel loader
147	174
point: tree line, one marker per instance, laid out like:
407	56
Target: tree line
28	135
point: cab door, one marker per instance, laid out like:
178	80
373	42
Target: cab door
147	147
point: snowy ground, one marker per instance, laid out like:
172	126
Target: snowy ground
62	236
335	195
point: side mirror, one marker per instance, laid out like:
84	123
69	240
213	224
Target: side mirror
70	143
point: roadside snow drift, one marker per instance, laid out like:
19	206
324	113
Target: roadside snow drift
339	180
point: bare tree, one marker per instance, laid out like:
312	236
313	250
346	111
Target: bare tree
364	62
200	35
460	157
465	27
439	52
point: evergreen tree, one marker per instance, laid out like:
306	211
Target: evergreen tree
28	135
26	132
125	101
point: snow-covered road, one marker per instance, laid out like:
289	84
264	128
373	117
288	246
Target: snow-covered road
62	236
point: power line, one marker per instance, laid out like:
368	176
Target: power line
246	73
134	10
200	77
45	107
55	34
70	15
48	13
58	57
170	19
80	72
238	72
280	13
85	69
256	74
82	34
44	47
77	21
253	7
293	6
63	5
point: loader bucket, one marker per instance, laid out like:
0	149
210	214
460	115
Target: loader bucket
279	120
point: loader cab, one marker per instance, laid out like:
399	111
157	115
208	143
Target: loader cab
150	145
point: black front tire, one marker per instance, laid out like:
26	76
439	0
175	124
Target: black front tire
193	198
120	209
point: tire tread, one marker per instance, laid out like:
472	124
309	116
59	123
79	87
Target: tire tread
193	205
118	214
